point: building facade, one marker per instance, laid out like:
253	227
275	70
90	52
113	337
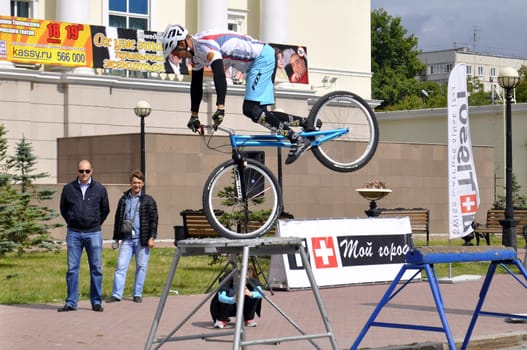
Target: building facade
484	67
92	111
37	100
46	103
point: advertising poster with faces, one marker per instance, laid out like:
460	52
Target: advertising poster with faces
291	64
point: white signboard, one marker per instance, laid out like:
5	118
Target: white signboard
343	251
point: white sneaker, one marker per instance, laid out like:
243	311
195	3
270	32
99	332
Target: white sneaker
219	324
251	323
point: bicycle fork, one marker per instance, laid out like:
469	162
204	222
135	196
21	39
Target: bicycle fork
240	186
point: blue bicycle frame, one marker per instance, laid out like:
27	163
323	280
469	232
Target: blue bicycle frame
275	140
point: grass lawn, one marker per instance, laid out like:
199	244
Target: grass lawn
38	277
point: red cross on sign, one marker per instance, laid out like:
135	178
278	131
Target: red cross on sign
324	252
469	203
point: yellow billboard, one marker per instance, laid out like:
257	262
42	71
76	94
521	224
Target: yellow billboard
28	40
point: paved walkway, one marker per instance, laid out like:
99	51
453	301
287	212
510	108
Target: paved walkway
126	325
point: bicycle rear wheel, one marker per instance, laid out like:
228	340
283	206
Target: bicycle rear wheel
343	109
242	204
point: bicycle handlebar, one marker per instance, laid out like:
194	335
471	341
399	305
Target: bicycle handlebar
216	127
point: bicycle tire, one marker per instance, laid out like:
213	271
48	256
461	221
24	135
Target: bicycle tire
228	213
352	151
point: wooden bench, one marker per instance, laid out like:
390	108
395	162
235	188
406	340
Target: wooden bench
196	225
493	224
419	218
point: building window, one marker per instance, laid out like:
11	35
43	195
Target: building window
233	27
469	70
493	72
440	68
131	14
21	9
480	71
236	20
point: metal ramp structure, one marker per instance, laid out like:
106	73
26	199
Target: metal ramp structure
423	259
244	248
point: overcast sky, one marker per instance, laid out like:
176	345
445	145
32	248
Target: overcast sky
499	26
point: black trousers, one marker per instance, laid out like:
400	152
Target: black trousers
224	311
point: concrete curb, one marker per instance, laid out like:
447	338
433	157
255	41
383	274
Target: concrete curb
499	341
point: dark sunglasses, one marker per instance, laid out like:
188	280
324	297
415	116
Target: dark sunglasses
84	171
177	49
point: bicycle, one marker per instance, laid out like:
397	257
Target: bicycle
243	199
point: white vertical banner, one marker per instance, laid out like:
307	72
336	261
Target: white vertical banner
463	192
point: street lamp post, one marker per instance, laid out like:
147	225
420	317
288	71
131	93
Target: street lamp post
508	79
142	109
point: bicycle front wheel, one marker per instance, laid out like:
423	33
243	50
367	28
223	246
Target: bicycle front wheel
352	151
242	203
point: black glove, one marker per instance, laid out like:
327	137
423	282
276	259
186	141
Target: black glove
217	117
194	124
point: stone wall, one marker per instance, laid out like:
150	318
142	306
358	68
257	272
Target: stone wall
178	165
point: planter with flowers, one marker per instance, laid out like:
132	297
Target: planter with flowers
373	191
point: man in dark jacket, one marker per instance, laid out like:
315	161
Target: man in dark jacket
135	226
84	206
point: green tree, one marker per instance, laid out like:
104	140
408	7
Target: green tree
395	64
23	220
436	96
24	162
521	89
396	69
477	96
8	196
518	200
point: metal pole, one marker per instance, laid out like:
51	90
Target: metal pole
143	166
318	297
509	224
279	166
163	300
239	334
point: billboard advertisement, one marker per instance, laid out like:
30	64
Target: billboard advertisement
35	41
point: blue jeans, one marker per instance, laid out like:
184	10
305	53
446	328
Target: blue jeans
129	248
92	242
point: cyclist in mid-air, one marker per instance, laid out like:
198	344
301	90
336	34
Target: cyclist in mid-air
256	59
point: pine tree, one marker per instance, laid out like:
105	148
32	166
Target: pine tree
518	200
8	196
23	220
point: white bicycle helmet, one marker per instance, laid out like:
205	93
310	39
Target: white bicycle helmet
172	35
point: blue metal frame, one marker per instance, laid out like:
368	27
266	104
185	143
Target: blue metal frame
392	292
425	261
274	140
483	294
